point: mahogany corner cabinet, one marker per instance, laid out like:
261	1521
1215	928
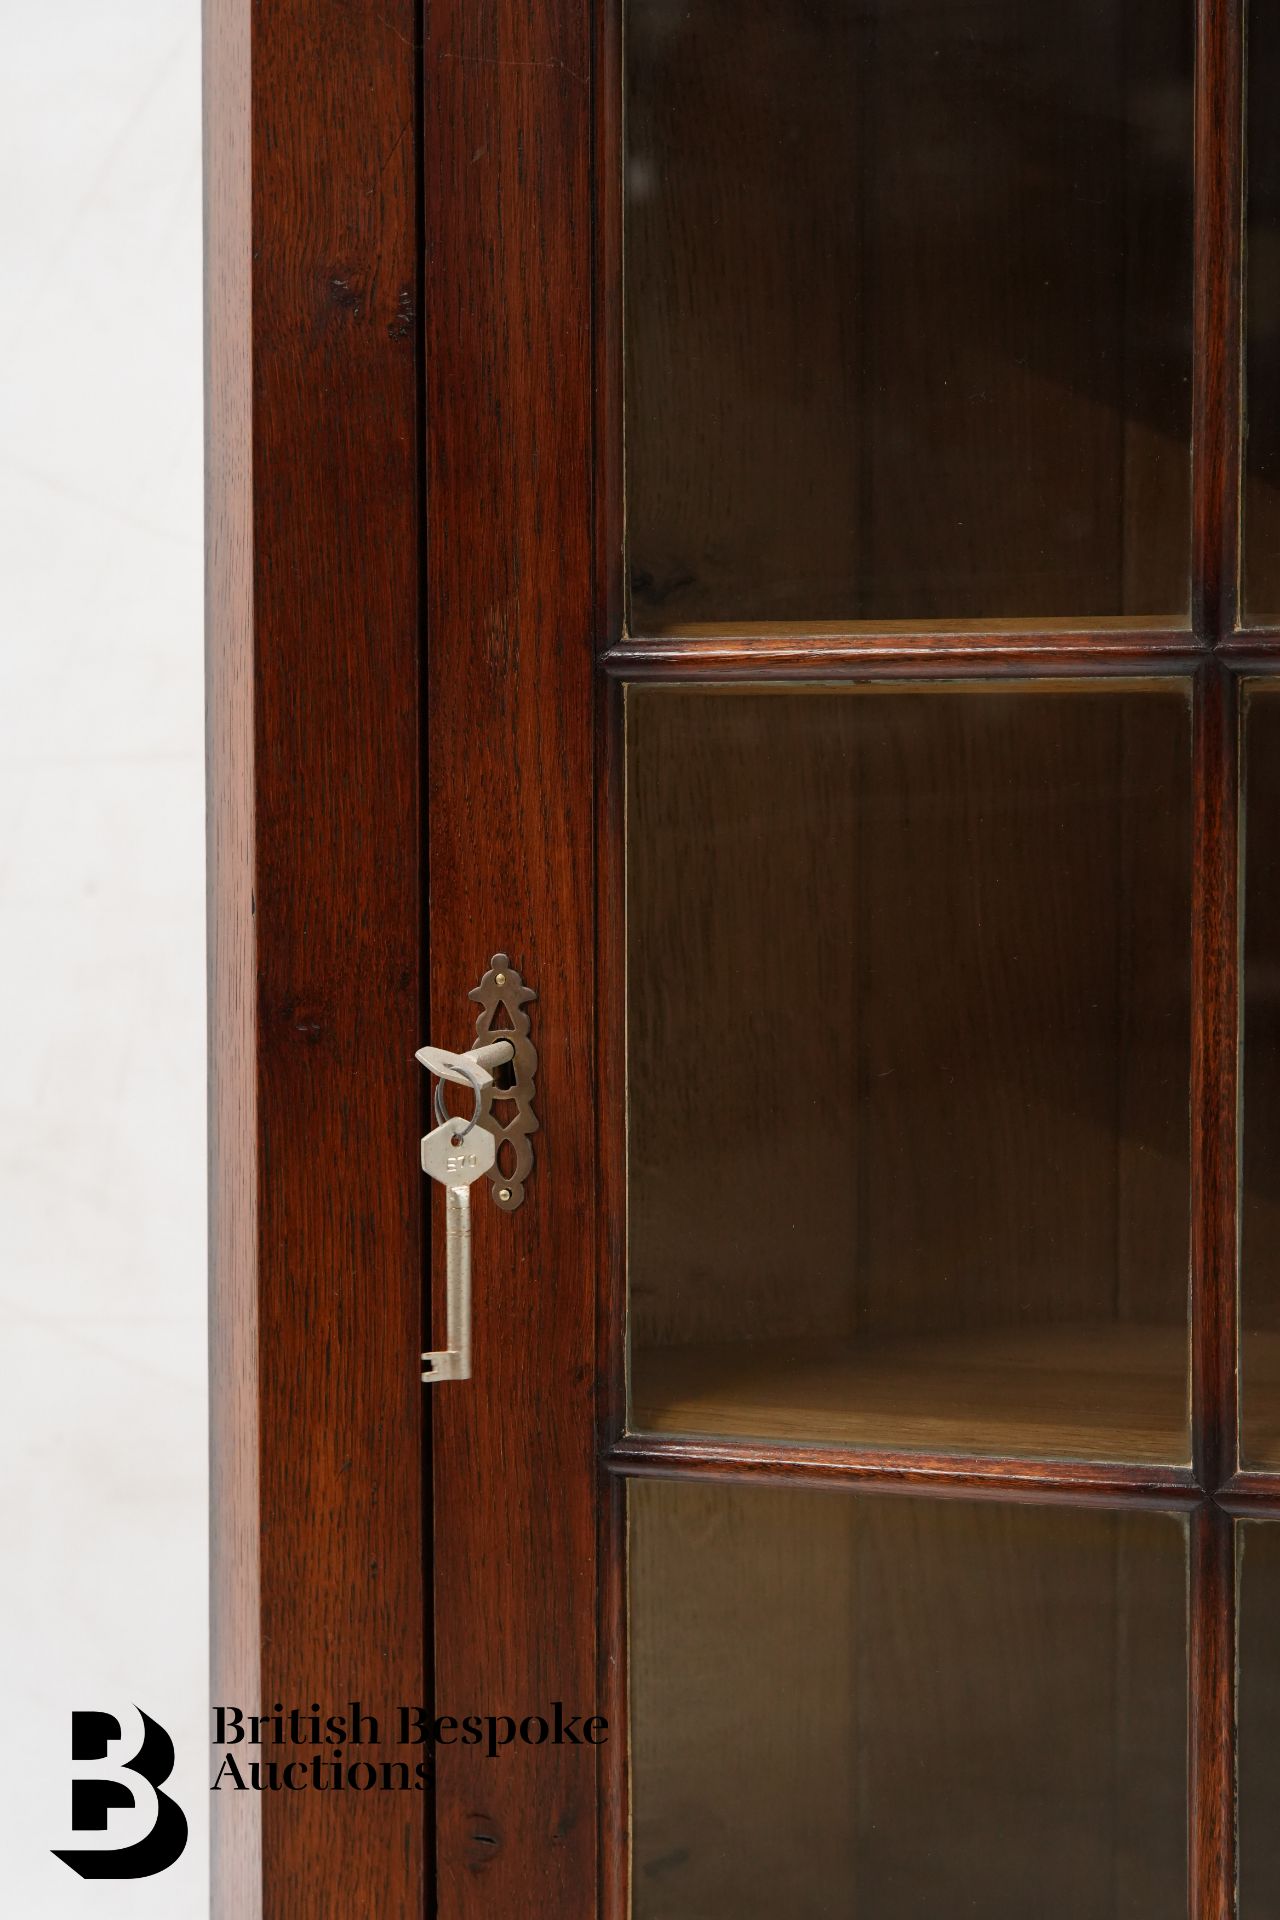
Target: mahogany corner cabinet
744	632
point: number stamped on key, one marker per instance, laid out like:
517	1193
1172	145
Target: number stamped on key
455	1158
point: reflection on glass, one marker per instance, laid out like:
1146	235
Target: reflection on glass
1258	1711
904	1708
1260	1085
908	1066
1262	321
908	309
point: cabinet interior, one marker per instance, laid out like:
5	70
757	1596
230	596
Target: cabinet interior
908	1066
882	1707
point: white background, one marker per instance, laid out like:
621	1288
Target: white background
102	1204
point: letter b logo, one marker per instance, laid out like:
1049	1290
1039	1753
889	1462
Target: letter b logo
93	1796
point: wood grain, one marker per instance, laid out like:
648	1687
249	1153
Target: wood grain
908	1037
1068	1392
742	1021
323	162
744	1718
313	667
878	653
508	356
1024	1008
844	1703
921	347
1251	1491
912	1471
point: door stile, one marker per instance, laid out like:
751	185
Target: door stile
1216	357
313	662
507	162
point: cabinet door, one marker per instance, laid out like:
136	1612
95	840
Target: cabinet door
832	423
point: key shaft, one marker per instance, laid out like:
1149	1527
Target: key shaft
454	1362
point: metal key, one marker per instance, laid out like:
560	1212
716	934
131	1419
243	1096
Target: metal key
455	1154
474	1069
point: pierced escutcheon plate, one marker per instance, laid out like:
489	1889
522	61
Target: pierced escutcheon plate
515	1121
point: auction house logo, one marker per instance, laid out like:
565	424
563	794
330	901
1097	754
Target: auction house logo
114	1784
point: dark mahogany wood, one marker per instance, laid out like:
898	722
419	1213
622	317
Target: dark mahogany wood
1216	361
1251	1492
313	625
507	155
1255	649
650	1456
884	655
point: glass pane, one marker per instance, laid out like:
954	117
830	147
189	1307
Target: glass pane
1258	1709
1260	1085
908	309
904	1709
908	1066
1262	441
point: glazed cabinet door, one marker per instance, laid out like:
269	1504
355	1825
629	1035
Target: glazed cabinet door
841	713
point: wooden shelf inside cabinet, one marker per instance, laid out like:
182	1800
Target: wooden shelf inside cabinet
1081	1392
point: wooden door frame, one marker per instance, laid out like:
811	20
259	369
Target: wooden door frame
512	632
379	178
315	967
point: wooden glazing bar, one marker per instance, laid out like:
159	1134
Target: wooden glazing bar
964	1475
843	654
1251	1492
1214	1002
